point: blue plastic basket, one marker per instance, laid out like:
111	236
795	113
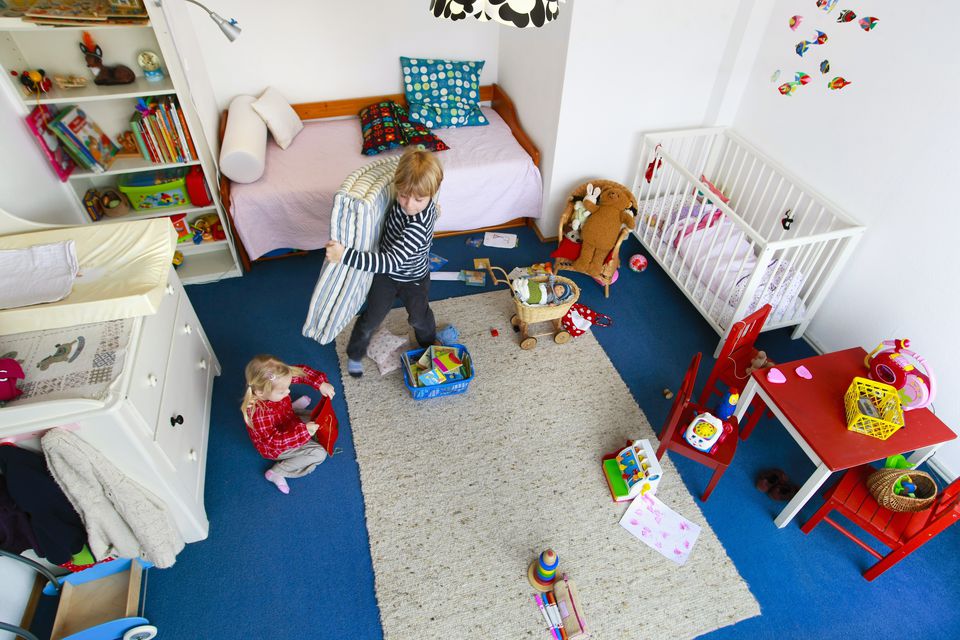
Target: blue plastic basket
439	390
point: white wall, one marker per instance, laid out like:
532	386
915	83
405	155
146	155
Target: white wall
632	66
312	50
532	68
884	149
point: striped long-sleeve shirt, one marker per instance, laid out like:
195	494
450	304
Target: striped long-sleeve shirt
404	246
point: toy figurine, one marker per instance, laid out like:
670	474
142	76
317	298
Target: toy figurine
35	81
102	75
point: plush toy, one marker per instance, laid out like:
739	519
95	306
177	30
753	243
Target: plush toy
601	230
10	372
760	361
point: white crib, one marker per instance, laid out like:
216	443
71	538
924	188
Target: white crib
731	258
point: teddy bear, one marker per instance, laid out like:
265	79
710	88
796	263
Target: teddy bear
759	361
602	228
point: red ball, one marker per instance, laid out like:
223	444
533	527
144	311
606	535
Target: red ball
638	262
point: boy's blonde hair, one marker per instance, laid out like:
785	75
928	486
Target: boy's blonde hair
262	373
418	174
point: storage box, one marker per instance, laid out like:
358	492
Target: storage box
443	389
886	402
150	190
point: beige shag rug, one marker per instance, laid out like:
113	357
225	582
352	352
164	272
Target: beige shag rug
463	492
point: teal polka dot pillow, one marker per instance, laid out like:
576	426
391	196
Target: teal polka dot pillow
443	93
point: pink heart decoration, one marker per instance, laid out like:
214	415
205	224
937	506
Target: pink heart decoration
776	376
804	373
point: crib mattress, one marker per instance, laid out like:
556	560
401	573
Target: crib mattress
488	179
123	271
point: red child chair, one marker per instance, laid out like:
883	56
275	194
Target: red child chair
903	533
681	413
735	356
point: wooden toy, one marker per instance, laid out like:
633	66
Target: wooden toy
571	608
632	471
543	571
70	82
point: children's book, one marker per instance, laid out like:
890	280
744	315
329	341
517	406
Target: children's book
473	278
437	262
73	147
51	146
431	377
446	362
96	144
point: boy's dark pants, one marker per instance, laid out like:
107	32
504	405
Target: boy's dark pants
384	290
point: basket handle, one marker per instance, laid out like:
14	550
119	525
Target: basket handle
494	278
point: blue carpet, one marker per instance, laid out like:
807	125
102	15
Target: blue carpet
298	566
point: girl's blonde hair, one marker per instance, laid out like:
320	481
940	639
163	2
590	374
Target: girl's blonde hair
262	373
418	174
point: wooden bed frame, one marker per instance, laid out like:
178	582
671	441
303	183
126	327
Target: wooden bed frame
491	93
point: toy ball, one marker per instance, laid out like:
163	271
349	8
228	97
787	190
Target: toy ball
638	262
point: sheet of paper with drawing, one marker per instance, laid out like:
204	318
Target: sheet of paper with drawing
661	528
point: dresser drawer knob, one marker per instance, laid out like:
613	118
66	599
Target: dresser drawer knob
192	455
187	328
169	289
152	380
203	363
175	420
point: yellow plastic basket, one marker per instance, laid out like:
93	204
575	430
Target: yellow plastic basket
884	399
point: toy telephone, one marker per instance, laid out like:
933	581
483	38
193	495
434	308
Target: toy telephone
890	363
704	431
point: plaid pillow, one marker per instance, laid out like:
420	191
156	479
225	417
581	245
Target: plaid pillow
380	128
443	93
417	134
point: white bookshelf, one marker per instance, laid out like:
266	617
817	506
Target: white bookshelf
26	46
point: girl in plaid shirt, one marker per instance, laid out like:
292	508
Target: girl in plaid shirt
276	430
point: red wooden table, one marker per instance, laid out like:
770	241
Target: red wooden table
812	412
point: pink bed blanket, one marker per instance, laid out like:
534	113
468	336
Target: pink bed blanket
488	179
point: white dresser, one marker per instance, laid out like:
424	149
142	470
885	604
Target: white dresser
154	424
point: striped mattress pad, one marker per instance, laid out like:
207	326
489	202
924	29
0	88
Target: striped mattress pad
356	220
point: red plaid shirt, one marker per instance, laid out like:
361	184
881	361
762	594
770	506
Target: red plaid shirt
274	427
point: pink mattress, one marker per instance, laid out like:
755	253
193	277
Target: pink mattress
488	179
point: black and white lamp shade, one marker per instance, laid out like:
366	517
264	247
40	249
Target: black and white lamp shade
522	14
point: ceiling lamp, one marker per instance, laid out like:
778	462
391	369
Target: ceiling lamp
513	13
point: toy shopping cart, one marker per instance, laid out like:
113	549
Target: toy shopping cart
527	315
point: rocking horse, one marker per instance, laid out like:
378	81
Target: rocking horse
117	74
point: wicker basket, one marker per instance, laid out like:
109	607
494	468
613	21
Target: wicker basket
880	484
532	314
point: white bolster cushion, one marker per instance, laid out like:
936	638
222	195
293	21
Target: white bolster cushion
244	148
37	274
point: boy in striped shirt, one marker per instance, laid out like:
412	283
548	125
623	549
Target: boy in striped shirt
401	267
